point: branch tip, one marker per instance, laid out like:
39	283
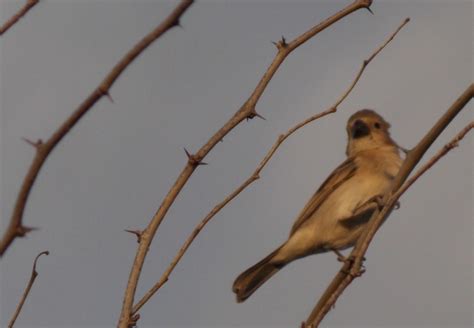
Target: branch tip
36	259
33	276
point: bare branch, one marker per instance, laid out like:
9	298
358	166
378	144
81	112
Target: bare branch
352	269
43	150
247	108
253	177
34	274
442	152
16	17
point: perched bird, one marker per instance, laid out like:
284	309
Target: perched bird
335	216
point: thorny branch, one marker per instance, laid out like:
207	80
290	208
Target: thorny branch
353	268
246	111
16	17
256	175
16	228
33	276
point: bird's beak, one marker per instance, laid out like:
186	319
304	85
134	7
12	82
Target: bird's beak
359	129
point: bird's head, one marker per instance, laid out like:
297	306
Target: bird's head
367	130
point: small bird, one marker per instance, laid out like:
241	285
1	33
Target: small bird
335	216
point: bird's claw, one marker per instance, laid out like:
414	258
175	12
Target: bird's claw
397	205
378	199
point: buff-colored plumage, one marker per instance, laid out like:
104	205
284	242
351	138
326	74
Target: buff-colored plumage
336	214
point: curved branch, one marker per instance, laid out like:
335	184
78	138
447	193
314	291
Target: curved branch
256	175
43	149
16	17
246	111
353	268
33	276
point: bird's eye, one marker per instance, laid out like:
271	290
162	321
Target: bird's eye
377	125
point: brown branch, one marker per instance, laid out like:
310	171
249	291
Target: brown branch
442	152
16	17
34	274
255	176
353	268
43	149
246	111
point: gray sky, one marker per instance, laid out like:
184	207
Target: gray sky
111	172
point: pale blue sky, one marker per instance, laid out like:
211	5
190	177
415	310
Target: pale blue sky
111	172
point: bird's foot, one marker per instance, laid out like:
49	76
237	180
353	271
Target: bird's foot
397	205
377	199
350	260
340	256
375	202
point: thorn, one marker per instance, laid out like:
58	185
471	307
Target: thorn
21	231
280	44
188	154
253	114
137	233
107	94
177	23
370	10
36	144
193	160
260	116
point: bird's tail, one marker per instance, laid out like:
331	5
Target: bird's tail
252	278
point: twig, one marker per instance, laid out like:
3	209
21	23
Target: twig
16	17
254	176
246	111
15	228
353	269
443	151
34	274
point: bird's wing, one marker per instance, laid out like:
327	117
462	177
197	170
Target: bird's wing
340	175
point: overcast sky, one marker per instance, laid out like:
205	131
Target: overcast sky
113	169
